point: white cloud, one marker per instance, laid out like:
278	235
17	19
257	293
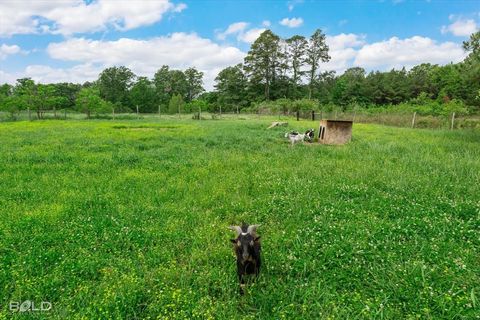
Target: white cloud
240	29
460	27
251	35
145	57
266	23
75	16
77	74
291	4
291	23
6	77
396	53
348	50
343	40
47	74
236	27
6	50
180	7
342	50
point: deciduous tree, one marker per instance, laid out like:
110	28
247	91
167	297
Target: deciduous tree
114	84
317	52
194	80
143	95
261	62
296	50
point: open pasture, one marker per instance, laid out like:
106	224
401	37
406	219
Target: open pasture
128	219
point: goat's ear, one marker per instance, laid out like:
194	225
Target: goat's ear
257	238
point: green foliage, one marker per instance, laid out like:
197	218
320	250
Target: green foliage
317	52
211	99
128	220
26	89
304	105
196	105
231	85
282	105
12	104
144	96
68	94
168	83
452	106
89	101
473	44
114	84
176	104
274	69
47	98
262	61
6	90
296	53
162	85
194	83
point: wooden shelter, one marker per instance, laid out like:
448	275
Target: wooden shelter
335	131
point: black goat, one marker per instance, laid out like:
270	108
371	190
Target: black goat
247	250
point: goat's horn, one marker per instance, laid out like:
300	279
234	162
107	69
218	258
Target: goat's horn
237	229
253	228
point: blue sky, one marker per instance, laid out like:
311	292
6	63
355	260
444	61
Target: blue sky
72	40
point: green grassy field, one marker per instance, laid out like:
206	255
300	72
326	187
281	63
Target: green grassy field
128	219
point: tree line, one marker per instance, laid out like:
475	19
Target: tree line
117	89
285	74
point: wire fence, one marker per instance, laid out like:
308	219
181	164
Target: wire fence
407	120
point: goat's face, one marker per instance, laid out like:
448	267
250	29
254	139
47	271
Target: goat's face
245	241
244	244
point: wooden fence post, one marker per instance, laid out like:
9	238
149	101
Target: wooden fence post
65	114
138	117
453	120
159	114
313	115
354	114
298	115
321	115
29	115
413	119
336	114
113	113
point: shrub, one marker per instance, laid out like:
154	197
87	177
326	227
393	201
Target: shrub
196	105
454	105
176	104
305	105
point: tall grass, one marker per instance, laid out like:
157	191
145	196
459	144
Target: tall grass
128	219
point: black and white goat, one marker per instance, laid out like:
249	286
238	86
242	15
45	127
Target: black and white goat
247	249
295	136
